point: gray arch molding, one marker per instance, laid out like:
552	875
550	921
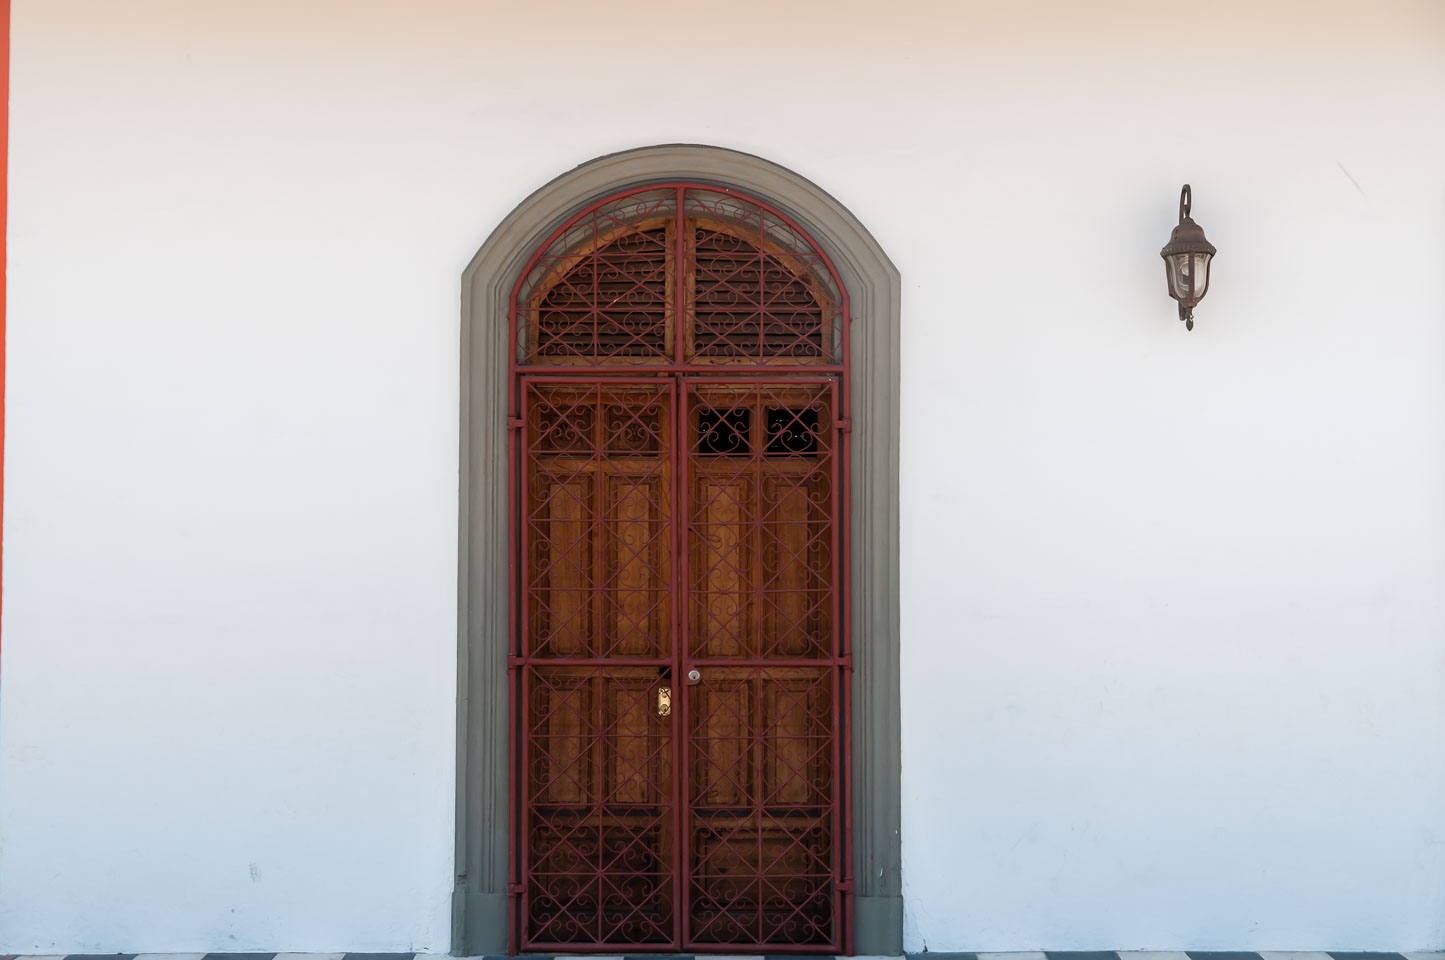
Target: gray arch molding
479	903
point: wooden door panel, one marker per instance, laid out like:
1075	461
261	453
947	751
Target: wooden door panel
797	741
761	813
600	819
598	822
707	819
761	790
561	574
721	562
797	563
598	532
637	564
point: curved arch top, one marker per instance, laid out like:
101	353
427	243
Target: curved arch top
480	907
844	237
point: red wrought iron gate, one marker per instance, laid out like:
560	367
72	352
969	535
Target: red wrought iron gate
680	661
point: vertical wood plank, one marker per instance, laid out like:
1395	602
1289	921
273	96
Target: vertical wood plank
568	551
722	557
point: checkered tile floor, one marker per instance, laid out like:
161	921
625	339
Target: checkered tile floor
1049	955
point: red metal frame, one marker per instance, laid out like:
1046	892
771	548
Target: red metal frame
598	309
766	669
546	667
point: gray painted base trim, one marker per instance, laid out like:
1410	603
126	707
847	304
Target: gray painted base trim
486	918
873	287
878	926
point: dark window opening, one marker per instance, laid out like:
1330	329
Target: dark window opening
792	432
723	433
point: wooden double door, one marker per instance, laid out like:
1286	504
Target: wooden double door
679	677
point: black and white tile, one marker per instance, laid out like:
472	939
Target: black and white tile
1042	955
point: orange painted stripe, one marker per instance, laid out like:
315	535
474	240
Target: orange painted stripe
4	246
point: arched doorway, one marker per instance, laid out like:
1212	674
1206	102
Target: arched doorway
665	392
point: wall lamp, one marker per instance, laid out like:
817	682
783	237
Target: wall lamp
1186	261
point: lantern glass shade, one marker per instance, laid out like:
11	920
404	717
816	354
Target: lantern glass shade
1188	276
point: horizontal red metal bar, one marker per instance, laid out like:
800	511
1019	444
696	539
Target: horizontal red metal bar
756	371
764	662
584	947
540	661
525	374
753	378
638	948
790	662
746	949
774	948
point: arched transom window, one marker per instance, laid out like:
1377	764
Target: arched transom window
679	275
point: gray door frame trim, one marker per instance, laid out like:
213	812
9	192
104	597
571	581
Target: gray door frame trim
479	902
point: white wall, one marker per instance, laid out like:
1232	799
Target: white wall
1173	618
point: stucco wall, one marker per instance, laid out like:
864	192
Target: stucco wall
1173	621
